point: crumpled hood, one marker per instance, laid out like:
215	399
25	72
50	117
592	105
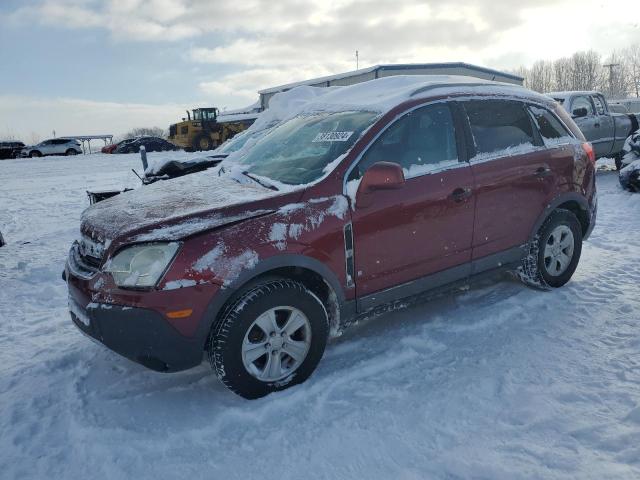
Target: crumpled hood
174	209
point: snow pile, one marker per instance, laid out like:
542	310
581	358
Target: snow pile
496	382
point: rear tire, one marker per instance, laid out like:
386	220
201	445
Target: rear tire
271	338
553	253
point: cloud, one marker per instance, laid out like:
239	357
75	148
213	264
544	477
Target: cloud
72	116
265	44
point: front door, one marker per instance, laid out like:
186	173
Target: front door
590	125
426	226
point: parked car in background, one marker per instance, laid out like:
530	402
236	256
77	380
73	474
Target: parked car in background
151	144
630	105
10	149
606	130
112	147
616	107
54	146
629	174
376	193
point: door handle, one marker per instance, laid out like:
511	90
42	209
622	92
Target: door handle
460	194
543	172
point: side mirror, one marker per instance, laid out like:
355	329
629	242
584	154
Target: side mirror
580	112
380	176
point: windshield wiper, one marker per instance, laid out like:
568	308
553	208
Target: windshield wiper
261	182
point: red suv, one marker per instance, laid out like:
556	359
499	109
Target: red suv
384	191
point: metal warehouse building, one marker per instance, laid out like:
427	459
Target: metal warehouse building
378	71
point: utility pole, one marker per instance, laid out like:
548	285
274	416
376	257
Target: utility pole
610	67
357	60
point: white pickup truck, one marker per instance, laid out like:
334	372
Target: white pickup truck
607	131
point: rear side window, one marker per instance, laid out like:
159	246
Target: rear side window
422	141
599	105
499	126
551	129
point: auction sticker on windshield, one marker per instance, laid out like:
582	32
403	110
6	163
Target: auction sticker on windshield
332	137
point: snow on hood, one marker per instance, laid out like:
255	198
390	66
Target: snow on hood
172	209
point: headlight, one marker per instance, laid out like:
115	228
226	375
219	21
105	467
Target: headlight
141	265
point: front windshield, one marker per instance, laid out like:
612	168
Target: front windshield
298	151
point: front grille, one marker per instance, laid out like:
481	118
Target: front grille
83	267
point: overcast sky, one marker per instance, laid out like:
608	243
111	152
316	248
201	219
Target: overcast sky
105	66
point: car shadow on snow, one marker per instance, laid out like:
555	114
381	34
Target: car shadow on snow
119	392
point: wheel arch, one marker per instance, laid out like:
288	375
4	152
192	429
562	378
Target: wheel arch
312	273
573	202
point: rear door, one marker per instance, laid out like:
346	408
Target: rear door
426	226
604	125
513	177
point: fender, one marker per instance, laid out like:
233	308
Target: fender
555	203
264	266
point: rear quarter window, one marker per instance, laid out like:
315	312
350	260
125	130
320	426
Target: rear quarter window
500	127
568	121
551	129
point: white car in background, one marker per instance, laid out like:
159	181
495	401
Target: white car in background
53	146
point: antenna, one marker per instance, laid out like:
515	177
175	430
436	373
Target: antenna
357	62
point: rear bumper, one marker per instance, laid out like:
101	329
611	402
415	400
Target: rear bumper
138	334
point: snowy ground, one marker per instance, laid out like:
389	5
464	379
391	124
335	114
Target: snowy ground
499	382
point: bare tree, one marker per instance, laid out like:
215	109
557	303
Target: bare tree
632	58
616	81
585	70
146	131
562	74
541	78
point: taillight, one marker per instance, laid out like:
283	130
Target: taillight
588	149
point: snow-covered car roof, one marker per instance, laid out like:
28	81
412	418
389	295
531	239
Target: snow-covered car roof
382	94
571	93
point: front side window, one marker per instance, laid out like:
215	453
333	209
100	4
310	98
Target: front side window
499	126
582	102
299	151
422	141
551	129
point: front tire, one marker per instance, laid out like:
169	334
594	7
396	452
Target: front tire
202	143
35	153
71	151
270	339
554	252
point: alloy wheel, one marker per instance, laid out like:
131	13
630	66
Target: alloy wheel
276	343
558	251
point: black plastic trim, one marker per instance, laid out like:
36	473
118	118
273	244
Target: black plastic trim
564	198
505	260
139	334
